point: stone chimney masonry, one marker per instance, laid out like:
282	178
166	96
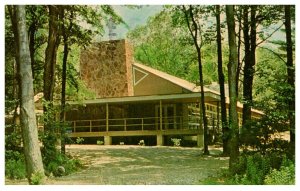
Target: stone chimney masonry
106	68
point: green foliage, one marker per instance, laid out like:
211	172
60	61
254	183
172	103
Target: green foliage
61	165
14	159
13	140
167	32
272	93
284	176
15	167
176	142
254	168
79	140
37	178
99	142
160	34
251	169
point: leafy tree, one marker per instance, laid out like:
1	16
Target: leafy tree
12	68
191	16
34	165
177	48
254	17
173	42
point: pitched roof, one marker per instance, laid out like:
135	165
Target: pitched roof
173	79
185	84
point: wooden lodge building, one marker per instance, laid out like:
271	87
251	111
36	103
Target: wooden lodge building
134	100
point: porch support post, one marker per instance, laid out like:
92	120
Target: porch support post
159	140
200	140
107	116
107	140
160	115
200	119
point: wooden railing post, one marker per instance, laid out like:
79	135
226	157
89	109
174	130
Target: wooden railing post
142	124
74	126
90	125
107	116
160	115
125	129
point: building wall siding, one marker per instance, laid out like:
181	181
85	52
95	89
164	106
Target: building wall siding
154	85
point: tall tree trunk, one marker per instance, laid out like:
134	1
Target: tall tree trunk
247	66
290	73
250	49
239	67
32	31
63	84
64	77
50	60
232	70
189	14
221	82
16	66
32	150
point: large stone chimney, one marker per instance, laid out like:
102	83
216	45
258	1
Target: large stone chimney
106	68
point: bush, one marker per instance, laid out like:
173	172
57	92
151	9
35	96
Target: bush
176	142
15	169
62	161
14	165
79	140
251	169
284	176
13	141
37	178
99	142
257	169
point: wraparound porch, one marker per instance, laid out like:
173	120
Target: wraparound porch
158	116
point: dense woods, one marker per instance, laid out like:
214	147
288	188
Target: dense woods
247	49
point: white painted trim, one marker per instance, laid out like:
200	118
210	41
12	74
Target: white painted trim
134	80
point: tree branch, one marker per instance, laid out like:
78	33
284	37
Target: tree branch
275	53
269	35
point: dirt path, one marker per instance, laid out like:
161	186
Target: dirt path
135	165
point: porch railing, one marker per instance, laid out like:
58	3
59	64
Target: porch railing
134	124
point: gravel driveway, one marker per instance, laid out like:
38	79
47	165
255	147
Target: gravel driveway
139	165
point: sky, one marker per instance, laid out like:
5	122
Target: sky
139	16
132	17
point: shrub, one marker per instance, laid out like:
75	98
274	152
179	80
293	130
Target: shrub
37	178
176	142
62	161
258	169
99	142
79	140
13	141
72	165
15	169
251	169
14	165
284	176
